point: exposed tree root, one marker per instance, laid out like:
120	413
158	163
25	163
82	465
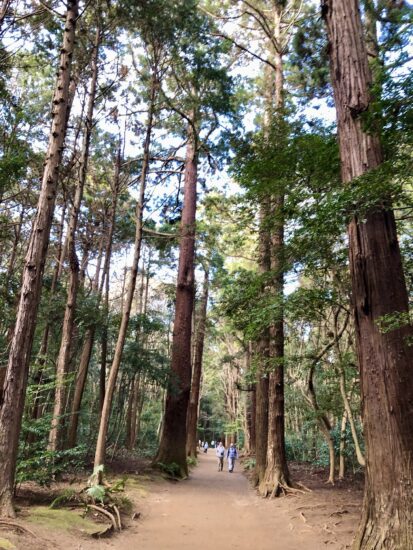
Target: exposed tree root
17	526
118	517
107	514
304	488
384	533
311	507
105	533
276	484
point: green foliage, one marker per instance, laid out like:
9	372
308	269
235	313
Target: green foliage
308	61
149	424
191	461
65	497
36	463
171	470
104	495
97	493
249	463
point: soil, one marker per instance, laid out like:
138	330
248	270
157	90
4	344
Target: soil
208	509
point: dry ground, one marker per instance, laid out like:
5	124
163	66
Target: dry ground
210	509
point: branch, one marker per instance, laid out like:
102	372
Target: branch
159	233
245	49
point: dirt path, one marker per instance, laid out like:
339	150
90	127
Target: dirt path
217	508
210	509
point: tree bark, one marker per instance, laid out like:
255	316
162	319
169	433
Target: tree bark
21	345
172	446
342	462
250	407
262	359
276	477
192	418
62	366
379	289
110	387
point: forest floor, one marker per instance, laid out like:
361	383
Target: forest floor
209	509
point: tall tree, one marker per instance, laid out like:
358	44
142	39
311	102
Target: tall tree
379	289
272	23
21	345
172	447
204	91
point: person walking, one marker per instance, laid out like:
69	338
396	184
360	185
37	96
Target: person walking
220	452
206	447
232	455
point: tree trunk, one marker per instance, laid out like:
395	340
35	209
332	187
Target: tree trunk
172	446
251	413
192	418
110	387
342	463
4	8
62	366
21	345
128	421
262	357
379	289
131	440
250	407
42	353
326	431
349	414
104	343
322	421
276	477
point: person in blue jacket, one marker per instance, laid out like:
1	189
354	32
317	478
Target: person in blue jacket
232	455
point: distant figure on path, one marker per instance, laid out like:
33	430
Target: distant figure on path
206	447
232	455
220	452
199	443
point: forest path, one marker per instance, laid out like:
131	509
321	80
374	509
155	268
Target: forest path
212	509
219	509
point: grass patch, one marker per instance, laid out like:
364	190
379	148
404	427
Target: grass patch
64	520
136	485
6	545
